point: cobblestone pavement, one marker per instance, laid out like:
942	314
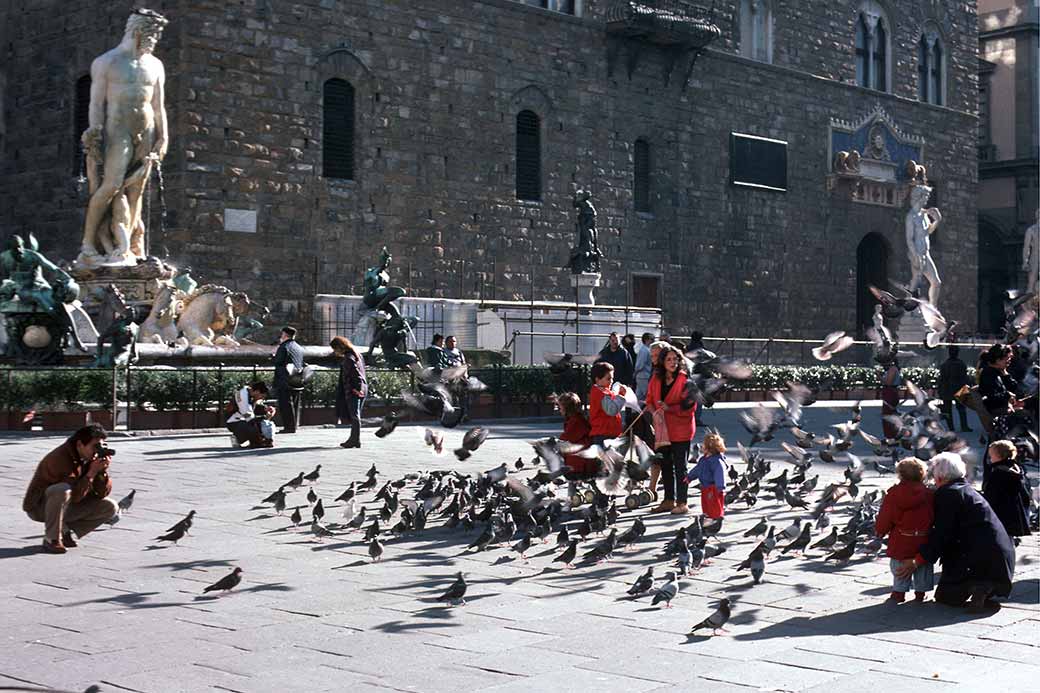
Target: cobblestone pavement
127	613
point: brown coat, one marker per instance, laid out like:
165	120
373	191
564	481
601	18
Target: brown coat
62	465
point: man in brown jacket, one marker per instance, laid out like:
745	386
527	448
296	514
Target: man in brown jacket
69	491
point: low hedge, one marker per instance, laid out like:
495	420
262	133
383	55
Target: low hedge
166	389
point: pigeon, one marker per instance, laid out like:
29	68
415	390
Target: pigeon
312	497
485	538
633	533
473	439
567	557
372	471
173	535
666	592
801	542
794	501
349	493
127	501
296	481
296	518
313	476
359	519
185	523
226	583
456	593
273	498
828	541
319	510
349	510
563	537
769	543
497	474
758	529
372	532
387	426
843	554
522	546
792	530
605	549
434	440
643	584
834	343
717	620
375	549
279	504
938	328
319	530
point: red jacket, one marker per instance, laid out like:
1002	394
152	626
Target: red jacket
602	425
576	430
680	422
906	515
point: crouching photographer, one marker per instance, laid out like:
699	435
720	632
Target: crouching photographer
69	491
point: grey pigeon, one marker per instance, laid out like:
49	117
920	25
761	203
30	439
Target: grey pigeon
604	549
296	518
296	481
312	497
843	554
387	426
313	476
319	510
375	549
758	529
828	541
801	542
174	535
226	583
666	592
522	546
567	557
349	493
127	501
643	584
717	620
473	439
273	498
456	593
319	530
185	523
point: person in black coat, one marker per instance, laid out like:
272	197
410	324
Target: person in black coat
953	375
978	558
617	356
351	389
289	352
1007	489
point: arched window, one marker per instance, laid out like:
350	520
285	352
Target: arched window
80	121
528	156
930	68
756	30
641	176
337	129
872	46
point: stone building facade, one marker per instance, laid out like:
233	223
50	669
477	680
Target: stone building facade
438	86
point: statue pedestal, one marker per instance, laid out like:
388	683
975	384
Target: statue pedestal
911	331
139	283
583	284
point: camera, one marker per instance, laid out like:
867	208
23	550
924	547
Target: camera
104	451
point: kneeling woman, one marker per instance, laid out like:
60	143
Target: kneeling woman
667	401
243	422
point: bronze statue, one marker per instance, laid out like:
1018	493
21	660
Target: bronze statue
379	295
392	339
121	340
38	323
585	257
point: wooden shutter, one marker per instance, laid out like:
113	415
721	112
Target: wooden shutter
528	156
337	142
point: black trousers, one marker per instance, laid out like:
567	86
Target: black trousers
957	594
673	471
289	408
354	406
947	412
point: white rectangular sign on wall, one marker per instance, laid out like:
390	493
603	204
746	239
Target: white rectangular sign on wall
240	220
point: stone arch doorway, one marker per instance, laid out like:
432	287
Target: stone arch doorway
993	280
872	255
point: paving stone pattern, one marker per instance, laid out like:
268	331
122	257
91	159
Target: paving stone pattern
128	613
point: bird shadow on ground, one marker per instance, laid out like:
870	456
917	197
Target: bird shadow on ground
19	551
132	600
873	618
194	565
1025	592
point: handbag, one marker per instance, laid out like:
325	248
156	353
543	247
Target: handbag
661	438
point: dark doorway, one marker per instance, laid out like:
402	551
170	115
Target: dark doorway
646	290
994	279
871	269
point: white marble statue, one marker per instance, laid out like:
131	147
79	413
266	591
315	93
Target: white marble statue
127	136
1031	254
920	225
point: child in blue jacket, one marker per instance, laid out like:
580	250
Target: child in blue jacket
710	470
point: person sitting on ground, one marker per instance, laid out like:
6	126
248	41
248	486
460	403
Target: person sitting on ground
710	470
906	516
242	423
69	491
1007	489
978	558
604	404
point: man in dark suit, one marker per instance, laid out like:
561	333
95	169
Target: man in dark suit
288	389
953	375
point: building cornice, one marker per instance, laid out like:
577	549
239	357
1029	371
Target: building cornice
1010	31
1009	167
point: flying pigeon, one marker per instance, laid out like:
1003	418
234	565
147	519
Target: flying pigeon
834	343
473	439
388	424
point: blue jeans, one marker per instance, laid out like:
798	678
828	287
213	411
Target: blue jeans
923	579
354	405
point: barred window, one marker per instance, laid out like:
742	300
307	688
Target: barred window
528	156
337	141
641	176
80	121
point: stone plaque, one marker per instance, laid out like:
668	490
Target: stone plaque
240	220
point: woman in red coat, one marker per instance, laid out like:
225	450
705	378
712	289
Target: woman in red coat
667	393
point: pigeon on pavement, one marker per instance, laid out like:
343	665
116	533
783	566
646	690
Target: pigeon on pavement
226	583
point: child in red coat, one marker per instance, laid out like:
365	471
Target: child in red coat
906	516
575	430
604	404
